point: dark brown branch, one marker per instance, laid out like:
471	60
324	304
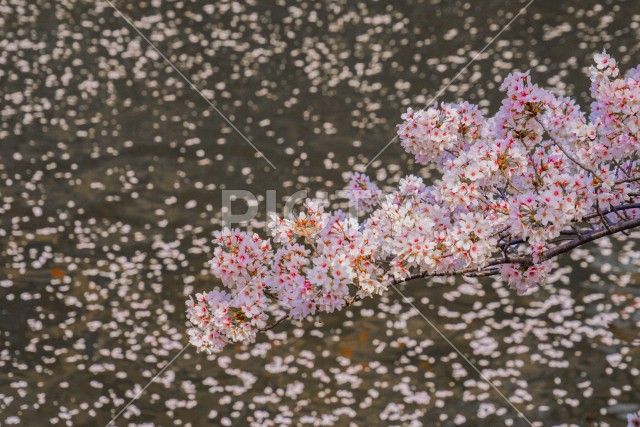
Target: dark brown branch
632	179
615	209
558	250
274	324
590	237
491	267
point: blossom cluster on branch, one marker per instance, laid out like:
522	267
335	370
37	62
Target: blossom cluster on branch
537	179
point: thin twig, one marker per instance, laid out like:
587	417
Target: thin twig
566	153
632	179
274	324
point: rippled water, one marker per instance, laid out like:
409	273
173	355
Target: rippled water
111	171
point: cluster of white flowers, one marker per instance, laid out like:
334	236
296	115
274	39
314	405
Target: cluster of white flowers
320	256
510	185
440	133
363	194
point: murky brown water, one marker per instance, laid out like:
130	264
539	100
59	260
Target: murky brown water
111	169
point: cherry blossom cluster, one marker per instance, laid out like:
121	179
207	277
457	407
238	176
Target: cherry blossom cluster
363	193
320	256
513	187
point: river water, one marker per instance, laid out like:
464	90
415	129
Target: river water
111	174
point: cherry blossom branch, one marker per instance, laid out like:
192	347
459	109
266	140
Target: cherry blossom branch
631	179
499	208
558	250
566	153
350	302
624	207
590	237
492	267
274	324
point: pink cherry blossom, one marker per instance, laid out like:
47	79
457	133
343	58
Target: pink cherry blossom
513	189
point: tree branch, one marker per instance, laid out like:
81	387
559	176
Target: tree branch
566	153
274	324
491	267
